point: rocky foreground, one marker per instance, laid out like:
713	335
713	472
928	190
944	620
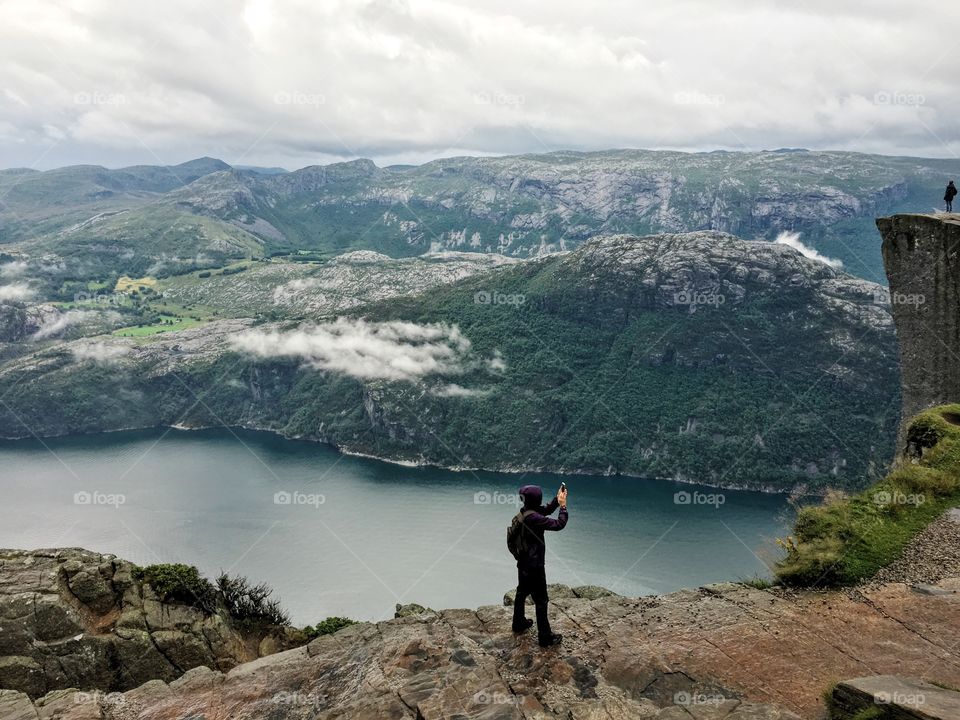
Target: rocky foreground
725	651
73	618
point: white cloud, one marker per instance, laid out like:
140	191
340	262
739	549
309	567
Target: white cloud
792	239
454	390
99	353
15	292
282	294
369	350
302	82
13	269
56	324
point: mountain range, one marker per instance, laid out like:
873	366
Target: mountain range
161	221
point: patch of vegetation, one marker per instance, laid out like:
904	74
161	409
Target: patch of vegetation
181	583
758	583
847	539
128	284
164	323
233	270
868	713
249	604
327	627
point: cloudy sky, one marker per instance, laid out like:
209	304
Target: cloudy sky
291	83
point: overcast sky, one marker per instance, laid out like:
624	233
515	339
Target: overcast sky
291	83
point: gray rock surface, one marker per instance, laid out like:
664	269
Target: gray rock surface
74	618
722	652
922	258
894	698
557	591
932	555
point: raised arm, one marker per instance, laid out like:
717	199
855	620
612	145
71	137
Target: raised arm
548	523
549	507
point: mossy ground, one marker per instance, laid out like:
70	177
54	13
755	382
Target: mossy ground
847	539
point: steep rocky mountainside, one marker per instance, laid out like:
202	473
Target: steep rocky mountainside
722	652
73	618
169	219
697	357
346	282
922	257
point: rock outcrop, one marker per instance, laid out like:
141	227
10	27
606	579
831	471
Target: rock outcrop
921	254
73	618
722	652
893	698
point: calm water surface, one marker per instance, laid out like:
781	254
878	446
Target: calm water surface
358	536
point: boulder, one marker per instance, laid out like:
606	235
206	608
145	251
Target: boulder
71	618
895	698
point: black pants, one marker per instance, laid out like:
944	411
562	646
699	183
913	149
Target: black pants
949	205
532	582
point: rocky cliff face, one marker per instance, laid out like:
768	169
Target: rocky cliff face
73	618
922	258
722	652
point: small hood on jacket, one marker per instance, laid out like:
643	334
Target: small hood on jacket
532	496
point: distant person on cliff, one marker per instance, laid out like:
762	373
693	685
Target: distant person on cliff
526	543
949	195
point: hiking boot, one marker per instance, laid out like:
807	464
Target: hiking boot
524	626
554	639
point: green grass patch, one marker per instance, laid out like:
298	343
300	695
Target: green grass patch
168	323
847	539
757	583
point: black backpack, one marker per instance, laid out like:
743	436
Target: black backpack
516	537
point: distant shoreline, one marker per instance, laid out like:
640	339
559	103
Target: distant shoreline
505	469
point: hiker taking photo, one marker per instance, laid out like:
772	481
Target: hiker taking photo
949	195
526	542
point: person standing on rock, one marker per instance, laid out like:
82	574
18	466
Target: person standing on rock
949	195
526	542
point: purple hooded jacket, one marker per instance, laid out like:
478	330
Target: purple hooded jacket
537	523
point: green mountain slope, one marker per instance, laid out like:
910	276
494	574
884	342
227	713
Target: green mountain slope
698	356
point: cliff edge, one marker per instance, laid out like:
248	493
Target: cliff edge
721	652
921	254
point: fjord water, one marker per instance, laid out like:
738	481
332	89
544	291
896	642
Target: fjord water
358	536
